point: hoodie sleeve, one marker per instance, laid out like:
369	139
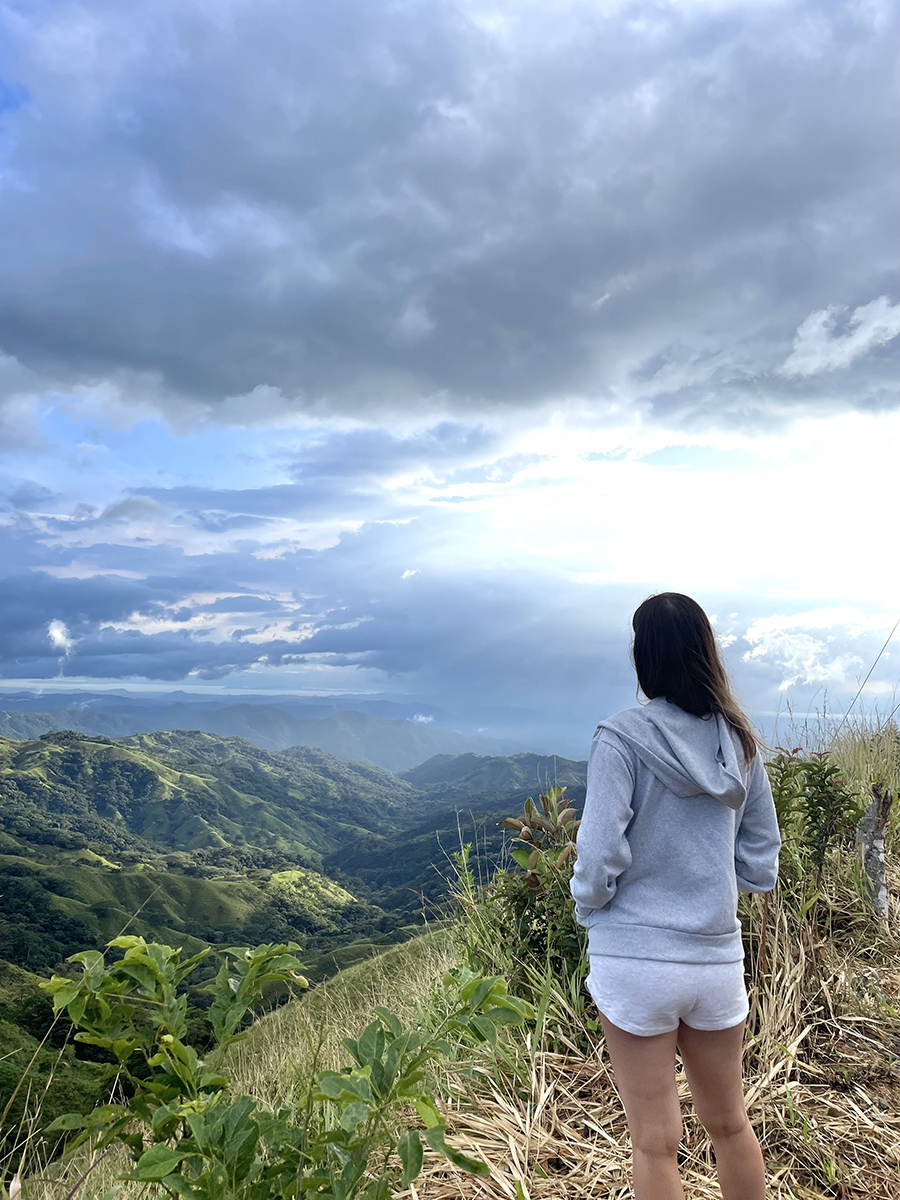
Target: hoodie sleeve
603	850
757	841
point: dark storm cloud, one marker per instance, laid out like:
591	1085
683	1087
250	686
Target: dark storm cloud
344	474
367	208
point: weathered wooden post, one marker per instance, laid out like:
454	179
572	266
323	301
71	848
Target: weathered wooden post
870	834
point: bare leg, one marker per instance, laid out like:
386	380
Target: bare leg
712	1063
644	1068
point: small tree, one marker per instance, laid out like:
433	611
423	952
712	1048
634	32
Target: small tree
190	1137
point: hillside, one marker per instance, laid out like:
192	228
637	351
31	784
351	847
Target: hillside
348	735
189	837
410	869
481	777
464	796
55	902
191	791
63	1081
182	836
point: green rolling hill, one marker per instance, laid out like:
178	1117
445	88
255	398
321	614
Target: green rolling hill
183	836
195	838
190	791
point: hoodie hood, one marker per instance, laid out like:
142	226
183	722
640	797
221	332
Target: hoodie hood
692	756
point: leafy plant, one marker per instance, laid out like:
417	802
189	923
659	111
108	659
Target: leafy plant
549	835
816	809
189	1136
389	1073
523	922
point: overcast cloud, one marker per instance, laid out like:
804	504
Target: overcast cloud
409	345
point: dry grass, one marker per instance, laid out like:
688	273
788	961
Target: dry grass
287	1046
822	1071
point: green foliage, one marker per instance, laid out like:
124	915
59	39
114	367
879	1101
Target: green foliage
98	835
549	835
816	810
190	791
408	870
189	1136
54	907
41	1083
524	921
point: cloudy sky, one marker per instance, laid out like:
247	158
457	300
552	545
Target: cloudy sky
404	346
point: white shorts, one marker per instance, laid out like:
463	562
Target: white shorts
646	996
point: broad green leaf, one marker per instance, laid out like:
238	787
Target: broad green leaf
156	1163
429	1115
390	1021
486	1028
354	1114
409	1148
435	1139
68	1121
480	993
371	1043
64	996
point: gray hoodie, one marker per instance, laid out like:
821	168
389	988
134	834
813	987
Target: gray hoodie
674	826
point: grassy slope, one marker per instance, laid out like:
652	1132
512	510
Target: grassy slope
287	1043
184	791
73	901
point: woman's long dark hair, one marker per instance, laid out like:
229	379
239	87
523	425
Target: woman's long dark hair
676	656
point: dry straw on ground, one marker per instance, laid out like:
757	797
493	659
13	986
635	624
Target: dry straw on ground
822	1088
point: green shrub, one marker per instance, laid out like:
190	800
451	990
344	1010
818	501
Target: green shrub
523	923
188	1135
817	810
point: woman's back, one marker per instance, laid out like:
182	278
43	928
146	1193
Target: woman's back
674	826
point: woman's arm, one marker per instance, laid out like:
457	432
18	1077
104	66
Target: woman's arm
758	841
603	850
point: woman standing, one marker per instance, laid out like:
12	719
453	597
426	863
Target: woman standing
678	818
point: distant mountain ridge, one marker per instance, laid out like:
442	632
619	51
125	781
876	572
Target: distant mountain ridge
464	797
483	776
348	735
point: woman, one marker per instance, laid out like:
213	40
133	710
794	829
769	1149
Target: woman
678	818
